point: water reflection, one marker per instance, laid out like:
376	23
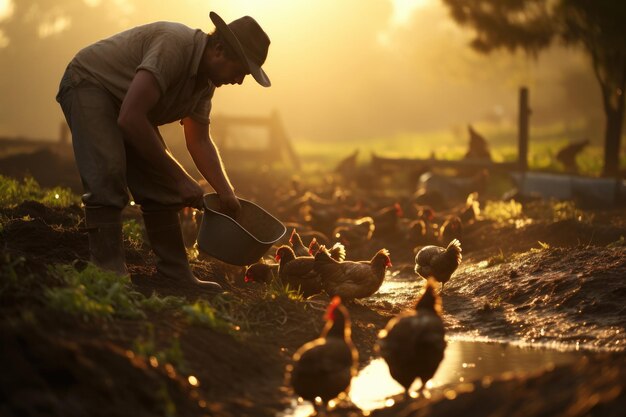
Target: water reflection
463	362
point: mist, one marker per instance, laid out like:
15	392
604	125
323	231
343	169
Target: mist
341	70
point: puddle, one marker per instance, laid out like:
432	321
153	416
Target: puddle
464	362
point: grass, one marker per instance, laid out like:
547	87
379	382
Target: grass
93	293
146	346
545	141
13	192
133	232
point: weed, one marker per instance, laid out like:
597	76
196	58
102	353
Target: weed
502	211
133	232
146	346
202	313
542	246
497	259
13	282
554	211
158	304
12	193
276	289
94	292
618	243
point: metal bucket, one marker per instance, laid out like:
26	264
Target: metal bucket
241	242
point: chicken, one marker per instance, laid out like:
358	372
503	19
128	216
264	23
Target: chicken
337	252
354	232
298	272
324	367
471	211
350	279
261	272
386	220
437	262
299	248
413	342
451	229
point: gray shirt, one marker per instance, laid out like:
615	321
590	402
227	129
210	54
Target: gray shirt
170	51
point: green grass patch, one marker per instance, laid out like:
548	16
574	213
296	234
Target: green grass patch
13	192
502	211
133	232
203	313
146	346
94	293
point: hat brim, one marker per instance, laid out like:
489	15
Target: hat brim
255	70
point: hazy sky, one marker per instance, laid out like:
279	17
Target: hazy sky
341	69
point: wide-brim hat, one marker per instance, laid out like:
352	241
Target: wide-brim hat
249	41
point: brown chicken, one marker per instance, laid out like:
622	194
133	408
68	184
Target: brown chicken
437	262
324	367
354	232
261	272
298	272
413	343
350	279
337	252
386	220
299	248
452	228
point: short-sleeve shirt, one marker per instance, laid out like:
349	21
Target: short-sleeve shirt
170	51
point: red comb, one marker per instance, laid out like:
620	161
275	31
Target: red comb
330	312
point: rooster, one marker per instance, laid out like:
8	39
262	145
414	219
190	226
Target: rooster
298	272
413	343
437	262
324	367
350	279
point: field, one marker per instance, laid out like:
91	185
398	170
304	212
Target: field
545	276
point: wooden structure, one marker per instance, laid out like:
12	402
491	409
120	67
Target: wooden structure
382	164
275	147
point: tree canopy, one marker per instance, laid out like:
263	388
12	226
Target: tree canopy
596	26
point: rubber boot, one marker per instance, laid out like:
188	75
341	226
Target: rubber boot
166	240
106	242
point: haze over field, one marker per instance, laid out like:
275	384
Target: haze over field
348	69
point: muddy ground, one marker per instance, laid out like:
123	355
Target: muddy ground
539	282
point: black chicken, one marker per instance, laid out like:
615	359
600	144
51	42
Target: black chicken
413	343
437	262
324	367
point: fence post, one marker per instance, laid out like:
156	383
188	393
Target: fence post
524	116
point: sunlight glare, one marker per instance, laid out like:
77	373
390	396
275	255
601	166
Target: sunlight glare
58	25
403	9
6	9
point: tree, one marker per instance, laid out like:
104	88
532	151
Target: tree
596	26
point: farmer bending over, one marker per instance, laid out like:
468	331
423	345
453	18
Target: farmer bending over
116	92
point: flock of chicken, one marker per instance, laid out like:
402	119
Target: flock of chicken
412	343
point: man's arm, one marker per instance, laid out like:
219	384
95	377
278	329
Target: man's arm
207	159
143	94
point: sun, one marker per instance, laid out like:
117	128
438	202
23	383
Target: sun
402	9
6	9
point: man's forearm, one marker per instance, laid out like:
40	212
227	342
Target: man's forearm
208	161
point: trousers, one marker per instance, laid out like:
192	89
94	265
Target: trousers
108	165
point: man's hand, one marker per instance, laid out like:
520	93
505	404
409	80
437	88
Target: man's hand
190	192
229	204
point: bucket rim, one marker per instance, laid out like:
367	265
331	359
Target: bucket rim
230	219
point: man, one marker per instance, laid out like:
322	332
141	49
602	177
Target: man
114	95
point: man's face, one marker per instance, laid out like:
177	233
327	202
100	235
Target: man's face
226	71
